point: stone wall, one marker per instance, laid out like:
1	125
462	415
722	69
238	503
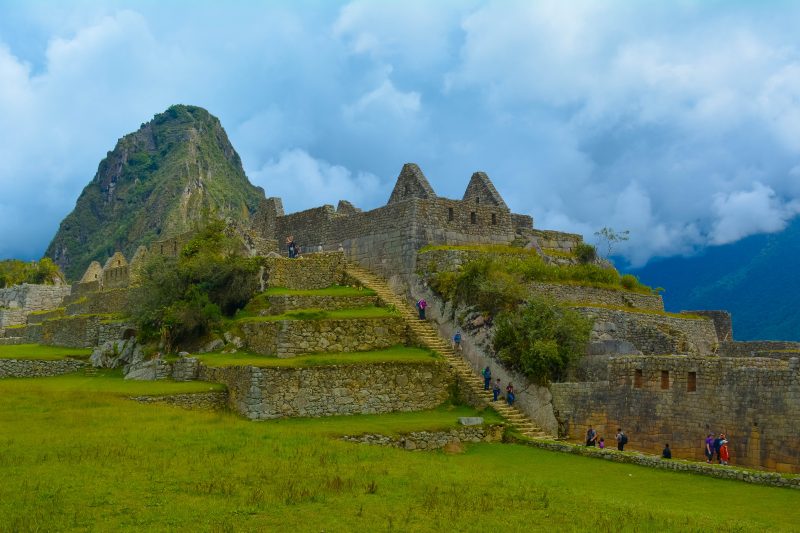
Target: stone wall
40	316
657	334
431	440
25	368
680	399
757	348
577	293
206	401
722	323
313	271
32	298
556	240
280	304
73	331
266	393
288	338
105	302
11	317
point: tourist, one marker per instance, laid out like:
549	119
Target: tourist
717	446
602	443
724	454
421	305
510	397
291	247
496	390
666	453
457	343
709	449
591	437
622	439
487	377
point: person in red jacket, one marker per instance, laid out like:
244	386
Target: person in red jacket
724	454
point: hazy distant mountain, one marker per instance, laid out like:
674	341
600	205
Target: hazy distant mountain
757	279
157	182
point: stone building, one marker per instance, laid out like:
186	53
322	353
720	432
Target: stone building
386	239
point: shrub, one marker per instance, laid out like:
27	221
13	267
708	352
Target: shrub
182	299
586	253
629	281
541	340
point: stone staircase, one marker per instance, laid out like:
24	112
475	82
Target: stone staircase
429	336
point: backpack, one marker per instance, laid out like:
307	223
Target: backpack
624	439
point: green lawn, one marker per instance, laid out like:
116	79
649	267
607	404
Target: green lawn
334	290
45	353
370	311
396	354
76	456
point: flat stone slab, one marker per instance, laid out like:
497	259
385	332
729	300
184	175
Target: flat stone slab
470	420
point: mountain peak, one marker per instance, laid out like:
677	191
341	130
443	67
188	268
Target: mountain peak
162	180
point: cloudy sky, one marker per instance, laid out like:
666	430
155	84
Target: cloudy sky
679	120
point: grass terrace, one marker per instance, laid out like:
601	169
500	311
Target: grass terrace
42	353
78	456
396	354
321	314
639	310
333	291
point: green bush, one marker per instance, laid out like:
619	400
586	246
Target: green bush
541	340
182	299
586	253
14	272
629	281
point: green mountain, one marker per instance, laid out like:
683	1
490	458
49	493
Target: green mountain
755	279
158	182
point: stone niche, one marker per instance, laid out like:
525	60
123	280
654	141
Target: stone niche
288	338
266	393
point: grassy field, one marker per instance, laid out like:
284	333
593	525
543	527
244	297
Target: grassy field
370	311
78	456
334	290
396	354
45	353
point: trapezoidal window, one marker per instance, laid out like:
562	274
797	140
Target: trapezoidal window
450	214
637	379
494	219
665	379
478	200
691	382
473	217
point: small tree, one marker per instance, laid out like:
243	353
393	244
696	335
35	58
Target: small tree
608	238
542	339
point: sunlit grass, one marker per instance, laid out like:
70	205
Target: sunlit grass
321	314
40	352
396	354
334	290
76	455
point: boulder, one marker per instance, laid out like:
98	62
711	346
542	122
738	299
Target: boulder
470	420
115	354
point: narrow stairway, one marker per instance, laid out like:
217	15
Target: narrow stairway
429	336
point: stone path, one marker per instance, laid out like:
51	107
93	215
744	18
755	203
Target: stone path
429	336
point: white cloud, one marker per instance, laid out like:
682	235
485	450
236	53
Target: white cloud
303	181
742	213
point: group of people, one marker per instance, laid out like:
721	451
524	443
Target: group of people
716	447
594	439
497	387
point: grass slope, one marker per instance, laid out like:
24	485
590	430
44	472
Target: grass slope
396	354
321	314
334	290
77	459
43	353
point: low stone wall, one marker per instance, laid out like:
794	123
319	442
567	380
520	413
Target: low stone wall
288	338
577	293
73	331
206	401
281	304
266	393
658	334
680	399
40	316
556	240
26	368
432	440
31	298
655	461
313	271
757	348
723	323
8	341
11	317
103	302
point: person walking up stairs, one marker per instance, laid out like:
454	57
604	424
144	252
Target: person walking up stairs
429	336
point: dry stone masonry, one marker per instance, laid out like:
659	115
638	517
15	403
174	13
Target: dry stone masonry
23	368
